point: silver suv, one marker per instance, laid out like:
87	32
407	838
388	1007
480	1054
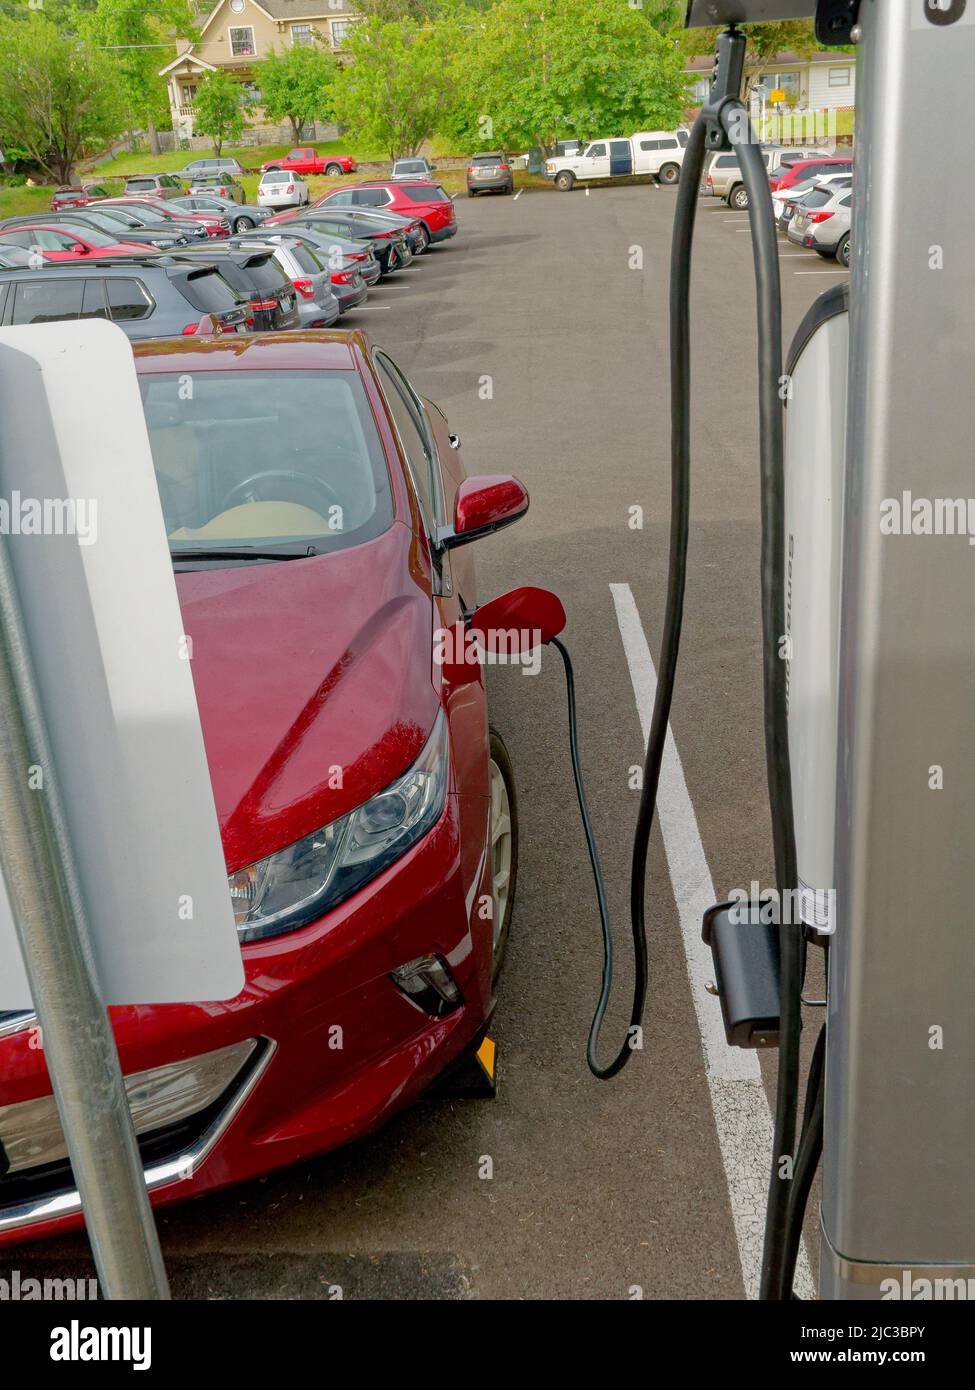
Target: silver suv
157	185
723	177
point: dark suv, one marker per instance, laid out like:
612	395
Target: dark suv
489	171
148	298
256	276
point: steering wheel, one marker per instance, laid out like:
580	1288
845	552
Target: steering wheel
244	490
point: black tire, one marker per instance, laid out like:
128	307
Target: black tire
738	198
564	180
509	189
669	174
243	224
422	239
843	251
332	170
471	192
500	758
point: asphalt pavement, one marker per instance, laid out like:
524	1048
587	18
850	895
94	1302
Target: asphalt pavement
541	330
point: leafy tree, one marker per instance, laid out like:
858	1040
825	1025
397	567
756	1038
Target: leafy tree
298	85
219	109
538	73
401	81
765	41
133	38
59	95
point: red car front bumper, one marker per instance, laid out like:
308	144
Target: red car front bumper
342	1047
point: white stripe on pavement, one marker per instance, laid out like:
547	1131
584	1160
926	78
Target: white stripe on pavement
518	195
742	1115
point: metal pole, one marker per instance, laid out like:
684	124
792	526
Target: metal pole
38	867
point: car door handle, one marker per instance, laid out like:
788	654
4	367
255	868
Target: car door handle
454	440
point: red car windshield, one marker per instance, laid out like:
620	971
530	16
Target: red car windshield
214	453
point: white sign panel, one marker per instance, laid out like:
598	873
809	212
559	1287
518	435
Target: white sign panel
85	536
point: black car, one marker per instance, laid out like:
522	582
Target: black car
338	252
388	244
84	219
256	276
148	297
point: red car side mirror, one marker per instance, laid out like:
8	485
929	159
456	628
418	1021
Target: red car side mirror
483	505
518	621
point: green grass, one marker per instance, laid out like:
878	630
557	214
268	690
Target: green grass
250	156
19	202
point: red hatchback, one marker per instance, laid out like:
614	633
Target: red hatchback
367	810
791	174
418	198
60	244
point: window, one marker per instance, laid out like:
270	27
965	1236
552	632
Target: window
787	82
127	299
93	301
342	199
53	241
412	434
839	77
47	301
650	144
301	35
189	94
336	491
596	152
242	42
726	161
423	193
209	292
341	29
682	137
134	185
371	197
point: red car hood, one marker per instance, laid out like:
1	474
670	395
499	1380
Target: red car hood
306	672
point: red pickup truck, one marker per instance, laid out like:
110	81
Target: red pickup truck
309	161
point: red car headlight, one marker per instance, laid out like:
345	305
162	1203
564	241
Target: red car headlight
301	882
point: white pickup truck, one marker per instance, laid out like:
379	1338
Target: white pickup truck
658	153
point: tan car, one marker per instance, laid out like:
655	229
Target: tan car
723	177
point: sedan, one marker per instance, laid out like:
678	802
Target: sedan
242	217
410	197
366	806
82	220
58	243
280	189
199	227
389	245
16	258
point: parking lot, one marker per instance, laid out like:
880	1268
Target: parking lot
542	331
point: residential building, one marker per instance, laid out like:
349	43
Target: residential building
825	81
237	33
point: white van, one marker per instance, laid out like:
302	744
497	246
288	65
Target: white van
657	153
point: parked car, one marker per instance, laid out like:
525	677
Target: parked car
76	195
15	257
103	220
822	223
211	166
339	252
317	304
243	217
490	171
723	177
360	900
198	226
256	276
411	169
786	200
428	201
280	188
221	185
659	153
801	169
148	297
60	243
388	245
350	273
159	185
412	228
305	160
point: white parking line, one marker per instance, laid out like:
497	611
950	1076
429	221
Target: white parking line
742	1115
840	270
518	195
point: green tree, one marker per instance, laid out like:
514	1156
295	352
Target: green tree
298	85
59	95
219	109
765	42
537	73
401	82
137	43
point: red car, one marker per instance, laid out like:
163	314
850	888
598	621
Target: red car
308	161
215	223
367	810
59	244
791	174
411	197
